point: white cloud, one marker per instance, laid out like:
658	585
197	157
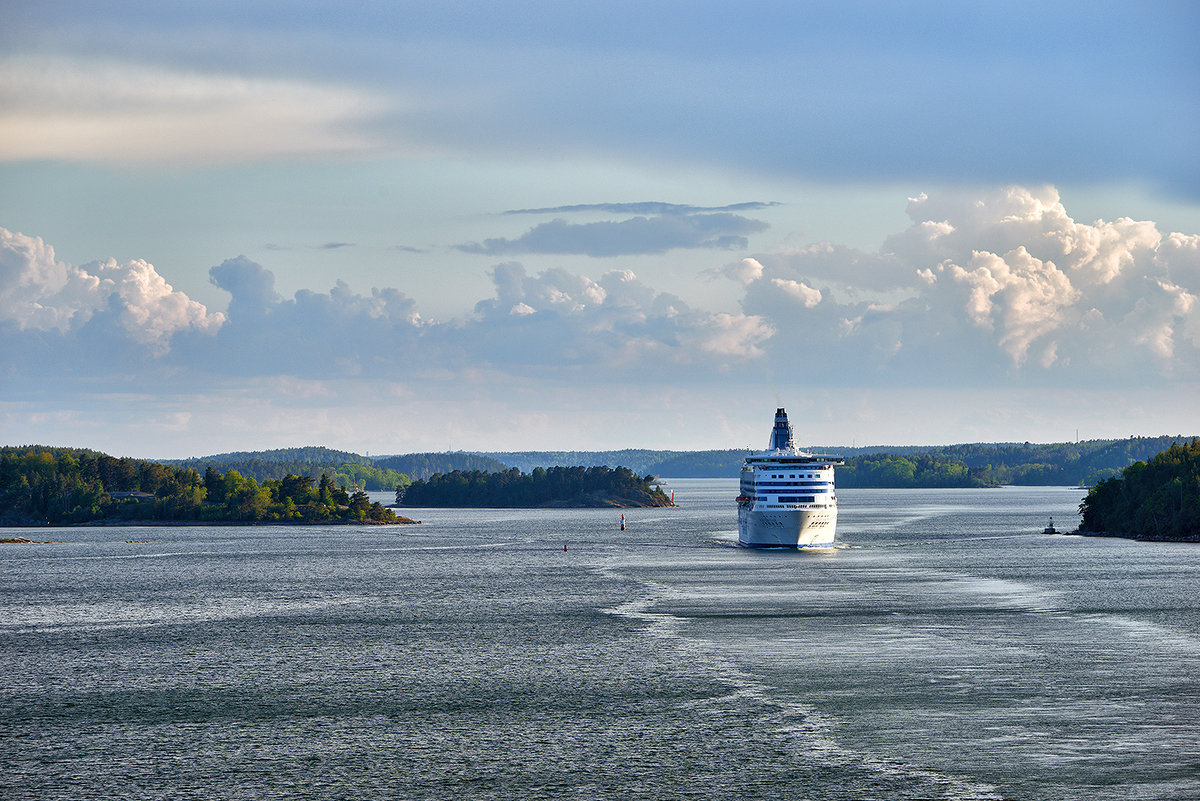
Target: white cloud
994	299
1019	296
109	111
745	272
151	312
737	335
522	310
1000	281
615	324
1156	315
802	292
40	293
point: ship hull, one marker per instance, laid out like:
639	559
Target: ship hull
787	528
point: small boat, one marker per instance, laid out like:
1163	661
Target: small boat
1050	529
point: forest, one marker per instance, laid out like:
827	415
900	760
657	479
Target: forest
424	465
346	469
556	486
42	484
1157	499
47	486
896	466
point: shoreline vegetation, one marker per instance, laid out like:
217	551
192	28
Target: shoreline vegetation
65	486
898	467
1157	500
556	487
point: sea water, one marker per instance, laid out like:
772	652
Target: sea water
947	649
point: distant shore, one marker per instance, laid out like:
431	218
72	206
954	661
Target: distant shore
399	521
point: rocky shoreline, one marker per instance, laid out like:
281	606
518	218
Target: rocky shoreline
1131	536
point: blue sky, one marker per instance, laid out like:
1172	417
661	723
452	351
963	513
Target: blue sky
393	227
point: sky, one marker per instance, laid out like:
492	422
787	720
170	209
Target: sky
390	227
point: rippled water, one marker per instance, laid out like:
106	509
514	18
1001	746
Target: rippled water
947	650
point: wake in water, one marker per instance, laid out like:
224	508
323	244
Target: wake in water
799	732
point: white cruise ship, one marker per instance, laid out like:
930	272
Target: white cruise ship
787	498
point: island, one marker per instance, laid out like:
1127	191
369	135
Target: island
1157	500
563	487
63	486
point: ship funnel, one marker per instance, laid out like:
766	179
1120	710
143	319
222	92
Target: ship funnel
781	435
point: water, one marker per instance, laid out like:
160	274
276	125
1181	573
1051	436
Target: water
948	650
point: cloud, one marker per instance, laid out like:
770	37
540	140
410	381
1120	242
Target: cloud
312	334
614	325
745	272
1003	283
806	295
251	285
131	300
965	93
1021	296
982	290
637	235
83	109
37	291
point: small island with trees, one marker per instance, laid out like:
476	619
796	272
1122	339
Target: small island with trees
1158	499
554	487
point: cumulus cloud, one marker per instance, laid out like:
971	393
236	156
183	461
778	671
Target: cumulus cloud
1002	283
41	293
339	332
38	291
637	235
806	295
996	288
614	323
853	271
1016	294
745	272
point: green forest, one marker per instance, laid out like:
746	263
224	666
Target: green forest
557	486
346	469
41	486
424	465
1157	499
969	465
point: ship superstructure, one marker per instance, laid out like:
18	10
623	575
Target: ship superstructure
787	497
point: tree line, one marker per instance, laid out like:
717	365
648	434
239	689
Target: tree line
346	469
1157	500
556	486
966	465
41	485
424	465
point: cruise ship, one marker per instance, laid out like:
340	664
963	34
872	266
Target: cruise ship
787	498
